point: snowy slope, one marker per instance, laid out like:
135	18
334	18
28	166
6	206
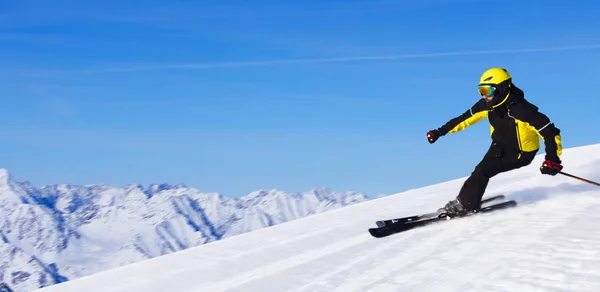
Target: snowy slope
63	232
551	242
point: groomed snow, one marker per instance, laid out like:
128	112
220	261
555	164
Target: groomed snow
551	242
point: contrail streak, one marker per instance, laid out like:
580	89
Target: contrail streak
332	60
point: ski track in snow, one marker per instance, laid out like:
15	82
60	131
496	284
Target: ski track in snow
550	242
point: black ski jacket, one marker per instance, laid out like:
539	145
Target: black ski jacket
516	124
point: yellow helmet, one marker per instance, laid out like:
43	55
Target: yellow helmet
494	76
494	86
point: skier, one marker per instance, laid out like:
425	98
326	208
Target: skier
514	128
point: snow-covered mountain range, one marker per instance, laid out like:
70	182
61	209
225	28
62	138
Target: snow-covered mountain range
62	232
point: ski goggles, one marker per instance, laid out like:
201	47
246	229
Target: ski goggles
486	90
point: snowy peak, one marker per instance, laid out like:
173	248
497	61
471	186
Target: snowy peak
11	193
6	181
77	230
317	194
134	186
156	188
4	176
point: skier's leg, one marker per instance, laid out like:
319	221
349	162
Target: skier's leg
475	184
496	160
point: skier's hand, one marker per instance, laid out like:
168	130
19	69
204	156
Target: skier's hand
432	136
551	166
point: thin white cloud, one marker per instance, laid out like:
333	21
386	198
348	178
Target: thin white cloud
199	66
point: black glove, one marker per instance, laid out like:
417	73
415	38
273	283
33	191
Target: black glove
433	135
551	166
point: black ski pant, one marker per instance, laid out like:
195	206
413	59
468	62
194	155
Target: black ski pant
498	159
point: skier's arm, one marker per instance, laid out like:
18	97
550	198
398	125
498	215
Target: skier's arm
545	128
470	117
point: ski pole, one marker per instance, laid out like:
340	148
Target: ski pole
579	178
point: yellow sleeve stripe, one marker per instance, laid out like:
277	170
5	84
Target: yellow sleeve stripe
473	119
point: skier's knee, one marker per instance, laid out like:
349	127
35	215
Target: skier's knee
481	173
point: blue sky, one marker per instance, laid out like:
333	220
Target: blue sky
236	96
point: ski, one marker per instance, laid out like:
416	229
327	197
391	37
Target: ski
425	216
402	226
